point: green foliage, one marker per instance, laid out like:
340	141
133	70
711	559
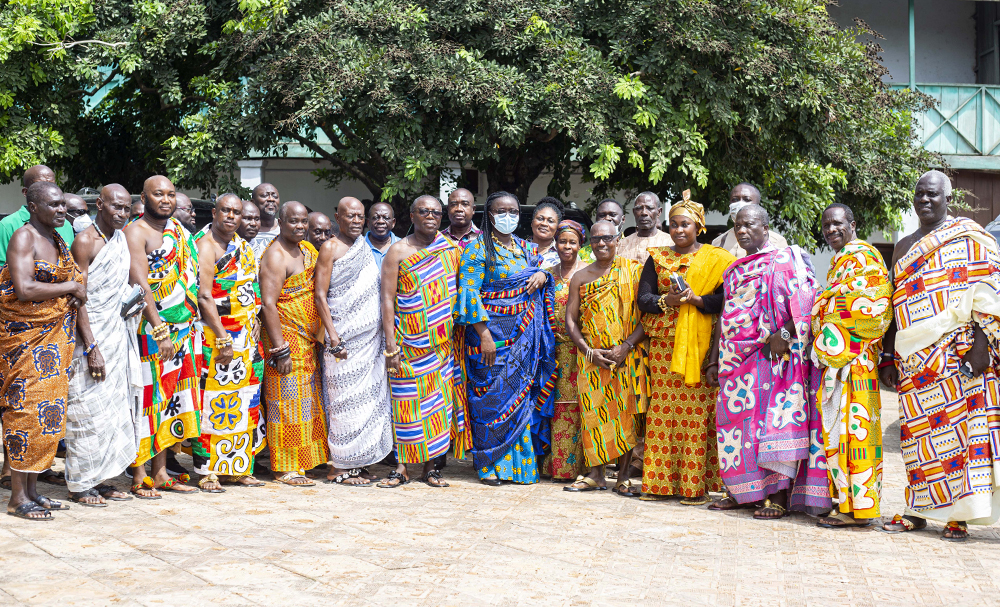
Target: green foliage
635	94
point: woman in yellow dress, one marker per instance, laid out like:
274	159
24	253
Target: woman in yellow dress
681	457
565	462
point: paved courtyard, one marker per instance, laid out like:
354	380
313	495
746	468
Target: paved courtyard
474	545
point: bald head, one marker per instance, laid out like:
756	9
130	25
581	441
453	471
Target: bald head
293	221
320	229
757	212
750	228
113	207
266	197
37	173
292	206
159	198
350	218
75	206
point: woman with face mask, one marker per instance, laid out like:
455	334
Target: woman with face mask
508	303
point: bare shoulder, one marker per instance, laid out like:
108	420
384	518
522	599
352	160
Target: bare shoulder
274	257
335	248
208	249
83	244
23	239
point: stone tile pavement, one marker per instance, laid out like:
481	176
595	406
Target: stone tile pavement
474	545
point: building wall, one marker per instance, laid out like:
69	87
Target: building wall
945	36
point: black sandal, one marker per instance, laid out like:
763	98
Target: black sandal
52	478
5	482
77	497
105	491
436	475
52	504
393	476
26	508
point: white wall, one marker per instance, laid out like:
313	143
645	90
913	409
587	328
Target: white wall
945	36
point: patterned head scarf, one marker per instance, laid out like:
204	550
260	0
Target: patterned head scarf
691	209
569	224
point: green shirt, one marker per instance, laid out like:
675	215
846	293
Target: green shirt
10	224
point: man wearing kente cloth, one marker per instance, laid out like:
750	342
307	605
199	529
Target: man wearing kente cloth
509	304
232	364
106	379
603	321
682	453
164	263
41	289
945	339
296	423
769	432
848	321
419	291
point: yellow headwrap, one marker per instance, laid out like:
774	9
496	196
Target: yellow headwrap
689	208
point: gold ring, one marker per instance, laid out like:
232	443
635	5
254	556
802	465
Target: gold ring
92	374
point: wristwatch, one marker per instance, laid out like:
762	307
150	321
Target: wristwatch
785	335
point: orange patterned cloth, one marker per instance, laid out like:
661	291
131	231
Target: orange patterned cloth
296	422
37	340
681	455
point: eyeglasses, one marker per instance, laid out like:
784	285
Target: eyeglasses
381	218
605	239
506	213
425	212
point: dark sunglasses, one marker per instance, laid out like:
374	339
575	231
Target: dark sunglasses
605	239
424	212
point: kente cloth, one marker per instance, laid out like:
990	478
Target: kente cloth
849	319
429	402
36	341
682	454
566	461
230	394
296	423
100	434
171	400
946	284
356	390
515	396
610	399
727	240
769	431
637	247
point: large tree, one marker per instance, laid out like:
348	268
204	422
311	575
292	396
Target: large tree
636	94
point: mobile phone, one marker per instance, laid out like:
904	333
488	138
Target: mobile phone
966	369
134	303
677	281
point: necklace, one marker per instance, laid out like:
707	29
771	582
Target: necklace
562	277
510	247
100	232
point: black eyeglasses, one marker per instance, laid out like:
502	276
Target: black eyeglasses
425	212
605	239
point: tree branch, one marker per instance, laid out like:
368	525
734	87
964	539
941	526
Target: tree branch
107	81
66	45
360	175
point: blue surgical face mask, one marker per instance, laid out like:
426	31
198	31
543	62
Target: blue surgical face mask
506	223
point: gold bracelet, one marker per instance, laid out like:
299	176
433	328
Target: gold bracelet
160	332
389	354
662	303
224	342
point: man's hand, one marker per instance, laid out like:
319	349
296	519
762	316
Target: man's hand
95	363
618	353
602	358
74	303
392	362
537	281
712	375
779	347
225	356
79	291
166	349
889	376
978	355
488	351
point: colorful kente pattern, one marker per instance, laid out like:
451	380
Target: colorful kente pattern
296	422
171	401
946	284
230	394
429	402
610	399
849	319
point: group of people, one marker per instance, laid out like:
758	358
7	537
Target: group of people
699	368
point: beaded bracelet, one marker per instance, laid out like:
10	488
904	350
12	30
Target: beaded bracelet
90	348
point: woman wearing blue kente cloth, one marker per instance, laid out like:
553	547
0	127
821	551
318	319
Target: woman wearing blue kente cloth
510	347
